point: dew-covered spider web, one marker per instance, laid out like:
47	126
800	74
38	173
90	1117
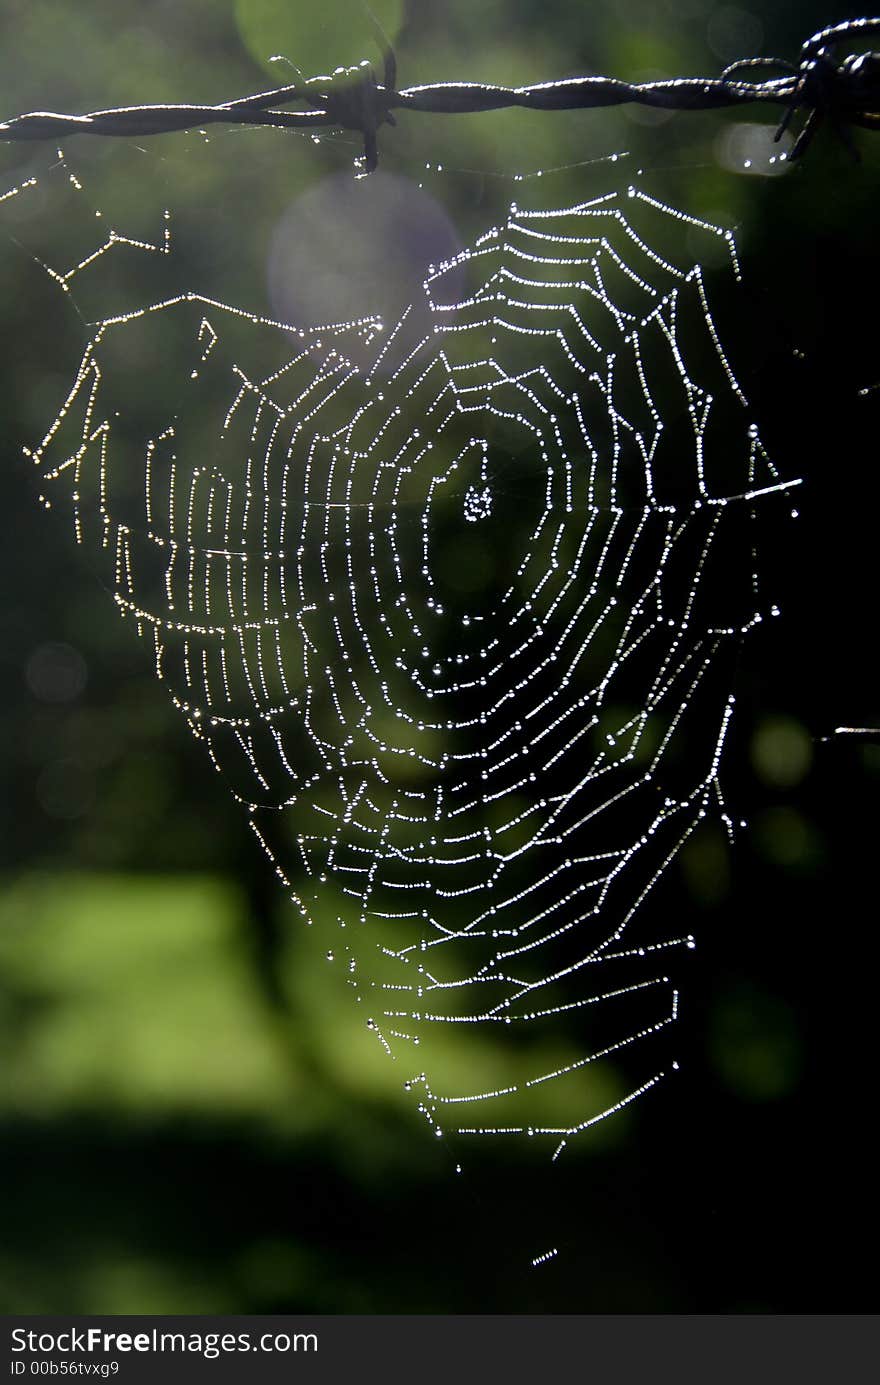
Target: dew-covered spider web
453	603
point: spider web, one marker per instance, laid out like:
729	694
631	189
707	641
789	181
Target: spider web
453	604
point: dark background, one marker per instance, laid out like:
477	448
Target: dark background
186	1121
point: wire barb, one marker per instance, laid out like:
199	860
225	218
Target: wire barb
842	93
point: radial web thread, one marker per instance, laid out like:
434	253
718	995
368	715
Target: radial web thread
454	615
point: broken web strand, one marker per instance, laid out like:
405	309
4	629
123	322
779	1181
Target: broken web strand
472	787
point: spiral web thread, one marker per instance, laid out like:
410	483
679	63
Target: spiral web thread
455	616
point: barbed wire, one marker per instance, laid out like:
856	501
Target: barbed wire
841	93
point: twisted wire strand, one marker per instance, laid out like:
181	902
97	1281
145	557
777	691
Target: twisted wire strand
443	98
352	98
